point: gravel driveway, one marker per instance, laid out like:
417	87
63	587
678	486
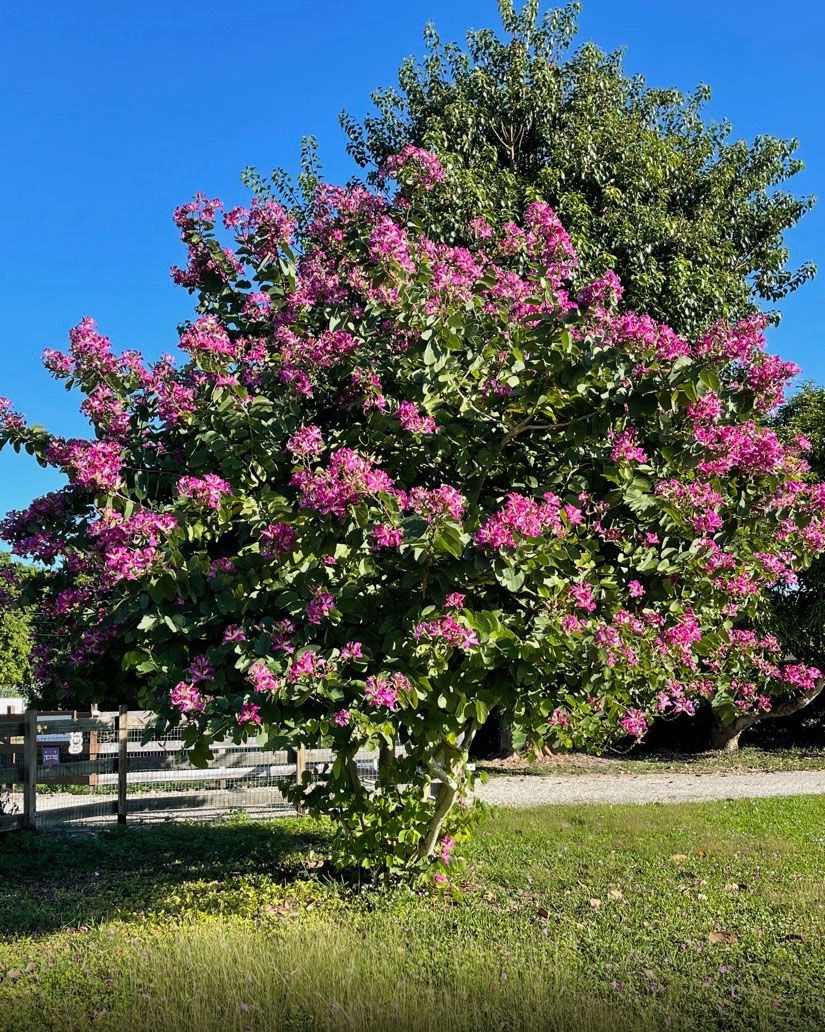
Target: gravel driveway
537	790
500	790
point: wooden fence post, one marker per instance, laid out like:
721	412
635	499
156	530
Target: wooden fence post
30	770
122	763
94	752
300	767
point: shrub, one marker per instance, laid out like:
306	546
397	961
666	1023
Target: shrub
396	483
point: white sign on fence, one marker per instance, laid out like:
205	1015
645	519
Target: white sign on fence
75	742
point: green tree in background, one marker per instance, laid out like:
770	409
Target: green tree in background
691	220
15	631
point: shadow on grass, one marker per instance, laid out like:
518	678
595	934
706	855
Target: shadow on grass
68	879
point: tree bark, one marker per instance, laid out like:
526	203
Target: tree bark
725	737
453	777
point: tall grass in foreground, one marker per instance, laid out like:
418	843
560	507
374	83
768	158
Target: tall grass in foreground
227	976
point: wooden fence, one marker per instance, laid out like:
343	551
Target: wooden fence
63	767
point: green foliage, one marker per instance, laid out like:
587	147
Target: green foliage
15	636
798	616
691	219
398	484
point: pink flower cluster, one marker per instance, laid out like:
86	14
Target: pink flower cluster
353	650
277	539
384	691
449	630
95	465
129	545
607	290
208	491
583	597
306	442
679	639
389	246
320	606
699	500
201	669
706	409
674	701
262	678
207	336
264	227
634	723
626	447
521	519
641	336
107	412
411	419
746	447
221	567
349	478
559	718
250	714
547	236
308	666
10	421
186	698
385	536
427	166
434	505
446	849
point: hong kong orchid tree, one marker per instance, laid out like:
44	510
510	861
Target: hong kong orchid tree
394	483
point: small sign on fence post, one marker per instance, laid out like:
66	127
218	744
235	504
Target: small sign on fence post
51	755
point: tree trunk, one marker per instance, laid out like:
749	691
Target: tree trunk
453	778
725	737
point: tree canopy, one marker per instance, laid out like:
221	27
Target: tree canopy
396	482
690	219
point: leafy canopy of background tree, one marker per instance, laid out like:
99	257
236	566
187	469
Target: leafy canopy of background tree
691	221
15	630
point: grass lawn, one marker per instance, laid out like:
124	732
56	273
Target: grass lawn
747	760
701	916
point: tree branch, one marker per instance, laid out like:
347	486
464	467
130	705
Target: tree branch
789	706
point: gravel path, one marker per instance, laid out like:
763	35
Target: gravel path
500	790
537	790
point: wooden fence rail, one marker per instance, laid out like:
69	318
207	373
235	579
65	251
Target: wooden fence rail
101	751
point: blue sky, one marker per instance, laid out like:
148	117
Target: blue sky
115	113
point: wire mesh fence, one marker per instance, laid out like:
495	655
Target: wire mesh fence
94	768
